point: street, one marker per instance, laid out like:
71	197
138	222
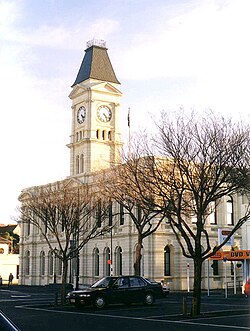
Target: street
33	309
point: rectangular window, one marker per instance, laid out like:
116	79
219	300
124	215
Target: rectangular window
28	227
229	212
110	215
99	215
212	213
121	215
215	266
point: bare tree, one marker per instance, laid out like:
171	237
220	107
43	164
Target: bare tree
199	161
67	217
124	185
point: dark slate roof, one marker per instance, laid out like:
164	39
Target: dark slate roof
96	64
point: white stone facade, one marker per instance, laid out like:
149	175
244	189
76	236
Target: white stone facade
94	145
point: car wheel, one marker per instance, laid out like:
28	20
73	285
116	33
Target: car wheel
100	302
149	299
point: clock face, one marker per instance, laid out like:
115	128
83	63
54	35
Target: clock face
81	114
104	114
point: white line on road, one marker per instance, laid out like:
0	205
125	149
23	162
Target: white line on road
139	318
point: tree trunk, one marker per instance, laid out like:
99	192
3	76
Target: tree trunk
138	256
196	302
64	281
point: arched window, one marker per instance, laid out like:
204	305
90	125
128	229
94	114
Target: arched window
106	261
215	267
59	265
109	135
51	264
121	214
229	211
27	263
28	227
82	163
42	263
96	261
103	135
167	261
118	261
212	213
98	134
77	164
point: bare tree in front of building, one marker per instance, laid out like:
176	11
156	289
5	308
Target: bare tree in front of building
200	161
123	184
66	217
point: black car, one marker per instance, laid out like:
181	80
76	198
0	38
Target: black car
122	289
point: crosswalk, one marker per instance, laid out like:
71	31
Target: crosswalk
21	298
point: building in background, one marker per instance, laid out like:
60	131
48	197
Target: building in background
9	257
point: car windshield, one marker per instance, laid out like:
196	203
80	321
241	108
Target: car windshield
104	282
151	281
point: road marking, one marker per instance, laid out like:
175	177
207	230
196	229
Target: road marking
139	318
20	296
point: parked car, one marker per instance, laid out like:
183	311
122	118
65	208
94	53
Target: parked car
114	289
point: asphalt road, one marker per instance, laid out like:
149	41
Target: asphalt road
33	309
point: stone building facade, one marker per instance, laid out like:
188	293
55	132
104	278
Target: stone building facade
95	142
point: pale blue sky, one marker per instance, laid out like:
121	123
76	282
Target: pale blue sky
166	54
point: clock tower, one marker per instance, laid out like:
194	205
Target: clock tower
95	140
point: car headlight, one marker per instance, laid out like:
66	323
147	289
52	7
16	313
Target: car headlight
84	295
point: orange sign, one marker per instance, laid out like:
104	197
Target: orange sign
231	255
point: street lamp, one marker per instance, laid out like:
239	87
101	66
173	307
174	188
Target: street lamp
111	251
225	276
55	258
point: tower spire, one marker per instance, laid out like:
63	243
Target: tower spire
96	64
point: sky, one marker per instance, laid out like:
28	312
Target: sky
167	54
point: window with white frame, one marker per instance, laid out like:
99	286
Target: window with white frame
77	164
118	261
51	264
42	263
229	211
106	261
82	163
27	263
167	261
96	262
59	265
212	213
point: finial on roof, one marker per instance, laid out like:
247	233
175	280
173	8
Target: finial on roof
96	42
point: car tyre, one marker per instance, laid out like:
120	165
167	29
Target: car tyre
100	302
149	299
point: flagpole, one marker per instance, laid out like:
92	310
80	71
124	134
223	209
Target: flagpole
129	134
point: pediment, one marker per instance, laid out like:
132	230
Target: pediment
77	90
28	193
72	182
104	87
